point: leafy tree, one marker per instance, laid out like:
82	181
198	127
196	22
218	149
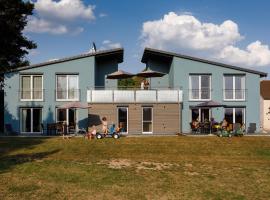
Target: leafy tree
14	45
134	82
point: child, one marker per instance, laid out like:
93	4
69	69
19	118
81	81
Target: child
91	133
104	125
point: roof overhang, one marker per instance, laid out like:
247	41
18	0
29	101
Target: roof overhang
117	53
156	53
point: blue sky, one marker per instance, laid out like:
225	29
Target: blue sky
234	32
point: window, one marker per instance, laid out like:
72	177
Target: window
31	119
200	114
66	115
31	88
200	87
147	120
67	87
235	115
234	87
123	118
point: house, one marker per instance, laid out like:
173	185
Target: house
265	105
238	89
33	94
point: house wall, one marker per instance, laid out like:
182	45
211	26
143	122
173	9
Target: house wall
84	67
178	72
103	68
166	117
266	115
161	66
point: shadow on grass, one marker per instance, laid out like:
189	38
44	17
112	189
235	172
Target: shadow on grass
9	159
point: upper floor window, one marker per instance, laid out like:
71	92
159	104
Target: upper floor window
200	87
67	87
234	87
31	88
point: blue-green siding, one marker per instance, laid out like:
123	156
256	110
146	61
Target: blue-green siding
86	68
178	75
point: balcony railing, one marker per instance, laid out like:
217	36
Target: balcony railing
200	94
134	96
31	95
67	95
234	95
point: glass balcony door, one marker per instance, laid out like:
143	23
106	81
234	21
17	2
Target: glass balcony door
31	119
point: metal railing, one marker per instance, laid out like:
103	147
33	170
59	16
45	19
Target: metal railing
67	95
200	94
234	94
31	95
134	96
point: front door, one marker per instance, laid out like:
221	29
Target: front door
122	113
31	119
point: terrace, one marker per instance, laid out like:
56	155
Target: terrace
131	95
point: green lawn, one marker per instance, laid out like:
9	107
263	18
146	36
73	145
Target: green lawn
135	168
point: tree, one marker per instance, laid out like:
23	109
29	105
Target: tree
134	82
14	45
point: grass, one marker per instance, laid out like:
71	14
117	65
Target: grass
135	168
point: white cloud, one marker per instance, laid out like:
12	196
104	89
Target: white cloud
65	9
101	15
107	44
59	17
186	33
256	54
43	26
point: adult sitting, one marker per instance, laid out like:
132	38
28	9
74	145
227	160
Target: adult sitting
224	124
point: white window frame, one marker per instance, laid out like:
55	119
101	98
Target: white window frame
200	111
152	121
67	116
67	84
200	87
31	87
224	89
127	117
244	113
31	108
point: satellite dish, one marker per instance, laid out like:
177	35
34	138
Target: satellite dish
94	47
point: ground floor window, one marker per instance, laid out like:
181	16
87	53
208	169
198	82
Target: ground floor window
122	113
31	119
200	114
235	115
147	120
67	116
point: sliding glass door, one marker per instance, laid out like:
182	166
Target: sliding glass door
123	118
31	119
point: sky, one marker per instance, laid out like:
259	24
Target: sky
232	32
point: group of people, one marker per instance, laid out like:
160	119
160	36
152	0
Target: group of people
211	124
91	132
144	84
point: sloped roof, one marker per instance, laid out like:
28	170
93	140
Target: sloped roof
265	89
118	53
169	55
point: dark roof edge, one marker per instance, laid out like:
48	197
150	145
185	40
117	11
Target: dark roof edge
97	53
171	54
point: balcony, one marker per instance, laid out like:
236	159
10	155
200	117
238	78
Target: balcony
134	96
